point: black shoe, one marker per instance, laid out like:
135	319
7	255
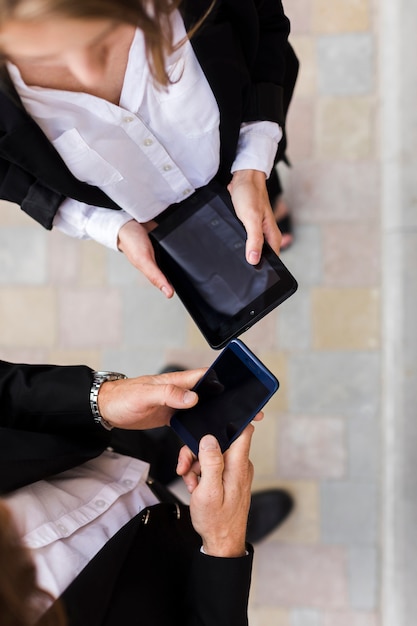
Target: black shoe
268	509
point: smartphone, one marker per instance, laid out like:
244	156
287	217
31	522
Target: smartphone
230	394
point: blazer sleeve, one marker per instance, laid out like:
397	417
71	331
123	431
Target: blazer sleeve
219	591
266	55
46	425
45	398
20	187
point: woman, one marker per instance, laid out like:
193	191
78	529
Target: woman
111	105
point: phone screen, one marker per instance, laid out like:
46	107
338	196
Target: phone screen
231	393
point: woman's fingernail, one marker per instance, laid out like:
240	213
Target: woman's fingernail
166	291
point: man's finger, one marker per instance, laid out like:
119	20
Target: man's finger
186	379
240	447
211	462
167	394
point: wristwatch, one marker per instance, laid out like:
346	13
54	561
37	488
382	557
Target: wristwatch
98	379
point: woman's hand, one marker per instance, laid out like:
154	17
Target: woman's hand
251	202
134	242
147	401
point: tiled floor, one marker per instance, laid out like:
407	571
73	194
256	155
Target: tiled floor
66	301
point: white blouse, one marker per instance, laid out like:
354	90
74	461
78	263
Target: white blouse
67	519
153	149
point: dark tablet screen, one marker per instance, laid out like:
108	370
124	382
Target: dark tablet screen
200	245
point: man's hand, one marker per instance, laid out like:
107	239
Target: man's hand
251	203
147	401
134	242
220	502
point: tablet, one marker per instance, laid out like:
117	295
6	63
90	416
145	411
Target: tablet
200	246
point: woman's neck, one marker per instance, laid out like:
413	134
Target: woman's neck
59	77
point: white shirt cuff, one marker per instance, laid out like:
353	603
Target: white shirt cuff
204	552
257	147
83	221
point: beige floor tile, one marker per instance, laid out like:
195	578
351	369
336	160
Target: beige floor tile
333	190
340	16
351	254
300	15
264	444
93	265
263	616
345	128
194	337
277	362
311	447
190	358
11	215
28	317
92	358
306	85
24	355
345	319
90	318
301	146
350	618
64	260
303	524
297	575
262	336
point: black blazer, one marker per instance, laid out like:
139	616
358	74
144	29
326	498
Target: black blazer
45	422
148	573
243	50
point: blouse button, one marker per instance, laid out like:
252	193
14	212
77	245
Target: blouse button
148	142
100	503
167	168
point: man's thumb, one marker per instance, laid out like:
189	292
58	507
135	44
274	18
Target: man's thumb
209	442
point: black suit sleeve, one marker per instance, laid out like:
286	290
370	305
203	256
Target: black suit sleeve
20	187
219	590
46	425
45	398
265	53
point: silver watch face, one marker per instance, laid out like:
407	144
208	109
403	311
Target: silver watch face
102	376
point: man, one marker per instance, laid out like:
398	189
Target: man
152	569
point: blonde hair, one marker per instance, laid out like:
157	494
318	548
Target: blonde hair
21	600
151	16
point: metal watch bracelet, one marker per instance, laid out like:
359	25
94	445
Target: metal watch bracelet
98	379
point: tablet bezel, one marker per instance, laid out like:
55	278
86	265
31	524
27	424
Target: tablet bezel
226	327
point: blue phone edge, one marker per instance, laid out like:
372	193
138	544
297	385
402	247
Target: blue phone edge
256	366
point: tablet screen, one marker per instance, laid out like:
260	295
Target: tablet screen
200	246
211	252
